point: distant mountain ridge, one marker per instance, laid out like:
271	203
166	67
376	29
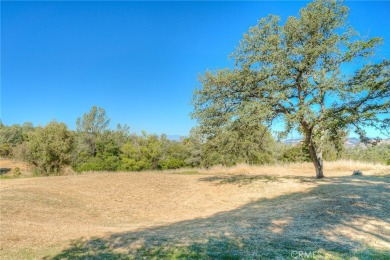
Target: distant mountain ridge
351	141
175	137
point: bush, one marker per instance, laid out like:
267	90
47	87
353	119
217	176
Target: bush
90	166
129	164
103	163
17	172
48	148
297	153
370	153
5	150
171	163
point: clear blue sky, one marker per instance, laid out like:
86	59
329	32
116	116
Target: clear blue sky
137	60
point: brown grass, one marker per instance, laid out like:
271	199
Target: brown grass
335	168
11	164
26	169
128	212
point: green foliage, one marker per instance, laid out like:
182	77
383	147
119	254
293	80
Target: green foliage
370	153
173	154
95	121
12	136
106	157
297	153
99	149
150	152
17	172
240	141
193	146
95	147
100	163
171	163
6	150
48	148
89	127
121	134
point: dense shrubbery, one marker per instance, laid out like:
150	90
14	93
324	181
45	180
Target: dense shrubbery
95	147
369	153
11	136
239	142
296	153
48	148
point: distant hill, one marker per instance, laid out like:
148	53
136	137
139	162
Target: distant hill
174	137
352	141
293	141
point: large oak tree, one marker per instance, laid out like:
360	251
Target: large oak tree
313	73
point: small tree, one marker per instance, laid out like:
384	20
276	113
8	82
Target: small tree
193	144
48	148
10	136
141	153
90	126
292	73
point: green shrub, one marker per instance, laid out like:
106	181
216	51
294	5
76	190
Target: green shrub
370	153
48	148
89	166
5	150
297	153
103	163
128	164
17	172
171	163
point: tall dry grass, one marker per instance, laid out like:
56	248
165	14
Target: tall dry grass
334	168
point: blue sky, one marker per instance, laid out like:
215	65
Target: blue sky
138	60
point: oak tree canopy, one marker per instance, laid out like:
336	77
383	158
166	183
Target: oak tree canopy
295	73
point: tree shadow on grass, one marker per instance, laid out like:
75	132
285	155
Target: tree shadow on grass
4	170
313	222
243	179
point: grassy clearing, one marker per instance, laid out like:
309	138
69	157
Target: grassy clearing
198	215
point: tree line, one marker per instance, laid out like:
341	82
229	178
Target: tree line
94	146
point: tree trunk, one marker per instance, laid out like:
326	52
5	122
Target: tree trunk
314	149
316	157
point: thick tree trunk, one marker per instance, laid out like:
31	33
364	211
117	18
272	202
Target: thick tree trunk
314	149
316	157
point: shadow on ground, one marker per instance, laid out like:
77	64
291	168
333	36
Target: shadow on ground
243	179
4	170
321	223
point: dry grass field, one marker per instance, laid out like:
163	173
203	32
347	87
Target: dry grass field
245	212
9	166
